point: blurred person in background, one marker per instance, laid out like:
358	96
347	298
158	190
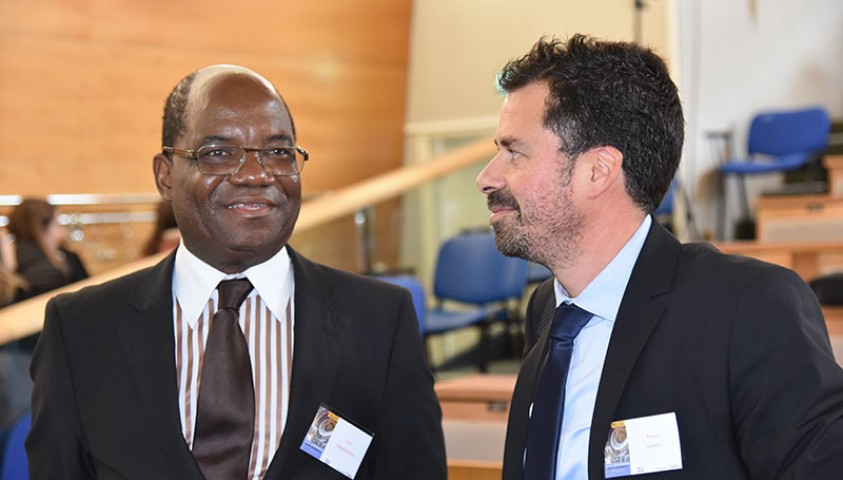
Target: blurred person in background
43	261
34	261
15	385
42	257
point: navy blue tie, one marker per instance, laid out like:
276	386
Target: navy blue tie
549	399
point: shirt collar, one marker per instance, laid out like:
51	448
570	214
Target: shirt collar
194	282
603	295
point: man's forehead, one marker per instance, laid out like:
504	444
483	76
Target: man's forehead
225	89
529	99
220	80
220	71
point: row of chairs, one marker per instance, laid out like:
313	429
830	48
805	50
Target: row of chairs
474	286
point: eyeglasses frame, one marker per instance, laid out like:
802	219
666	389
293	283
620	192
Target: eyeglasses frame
194	155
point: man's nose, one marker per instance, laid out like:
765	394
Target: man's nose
489	179
252	170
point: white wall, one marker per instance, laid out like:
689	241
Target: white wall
457	46
738	57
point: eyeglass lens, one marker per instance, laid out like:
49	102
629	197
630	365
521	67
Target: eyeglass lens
227	160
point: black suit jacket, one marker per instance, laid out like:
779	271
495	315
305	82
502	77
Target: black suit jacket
105	398
737	348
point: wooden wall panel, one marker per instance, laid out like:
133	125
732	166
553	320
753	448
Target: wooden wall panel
82	83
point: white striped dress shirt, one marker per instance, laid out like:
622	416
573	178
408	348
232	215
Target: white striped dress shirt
266	319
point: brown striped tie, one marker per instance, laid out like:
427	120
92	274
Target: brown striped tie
225	416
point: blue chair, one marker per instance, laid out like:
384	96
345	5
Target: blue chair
664	212
416	289
15	466
778	142
666	208
471	273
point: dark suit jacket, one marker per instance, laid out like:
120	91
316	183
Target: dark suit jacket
105	399
737	348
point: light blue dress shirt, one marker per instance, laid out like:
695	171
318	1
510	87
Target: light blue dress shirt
602	297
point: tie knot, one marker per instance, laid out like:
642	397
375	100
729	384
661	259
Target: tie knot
568	321
233	292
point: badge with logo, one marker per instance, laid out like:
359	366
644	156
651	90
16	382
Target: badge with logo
336	441
643	445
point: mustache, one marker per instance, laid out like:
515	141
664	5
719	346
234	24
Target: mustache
502	198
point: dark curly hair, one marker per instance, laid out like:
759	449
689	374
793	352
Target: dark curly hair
608	94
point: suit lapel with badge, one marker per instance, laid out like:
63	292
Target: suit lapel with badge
319	334
145	332
640	311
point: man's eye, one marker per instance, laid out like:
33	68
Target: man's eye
217	152
278	152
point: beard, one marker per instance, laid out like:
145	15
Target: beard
509	238
545	229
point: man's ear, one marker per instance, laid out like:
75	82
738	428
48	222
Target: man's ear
162	166
606	169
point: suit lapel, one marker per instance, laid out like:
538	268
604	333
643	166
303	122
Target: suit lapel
639	313
319	333
146	336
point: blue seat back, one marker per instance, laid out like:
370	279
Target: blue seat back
666	207
15	466
469	269
785	132
416	289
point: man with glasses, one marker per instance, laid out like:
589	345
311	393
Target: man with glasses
305	372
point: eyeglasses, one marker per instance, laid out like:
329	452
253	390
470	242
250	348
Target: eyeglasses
216	160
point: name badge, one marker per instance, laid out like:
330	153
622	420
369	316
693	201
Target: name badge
336	442
643	445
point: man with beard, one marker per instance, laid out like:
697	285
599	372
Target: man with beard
643	355
235	357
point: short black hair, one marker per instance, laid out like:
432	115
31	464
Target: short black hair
605	93
174	111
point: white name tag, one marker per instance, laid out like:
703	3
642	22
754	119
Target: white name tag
643	445
336	442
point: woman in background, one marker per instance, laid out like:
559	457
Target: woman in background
32	261
42	259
